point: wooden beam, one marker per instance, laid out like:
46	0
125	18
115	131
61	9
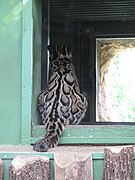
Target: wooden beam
73	165
119	163
30	167
1	169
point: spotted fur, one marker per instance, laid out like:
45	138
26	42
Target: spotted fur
61	103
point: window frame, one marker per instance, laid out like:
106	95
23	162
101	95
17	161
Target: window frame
80	134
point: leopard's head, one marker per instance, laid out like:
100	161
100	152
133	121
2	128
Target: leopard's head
60	56
60	51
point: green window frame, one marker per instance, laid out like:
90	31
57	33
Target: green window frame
30	130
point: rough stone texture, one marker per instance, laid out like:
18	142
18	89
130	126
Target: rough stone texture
30	168
1	169
73	166
119	163
107	49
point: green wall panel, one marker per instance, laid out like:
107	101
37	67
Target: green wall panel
10	71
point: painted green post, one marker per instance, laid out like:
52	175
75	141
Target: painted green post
27	64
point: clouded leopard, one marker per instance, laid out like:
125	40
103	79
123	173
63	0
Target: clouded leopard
61	103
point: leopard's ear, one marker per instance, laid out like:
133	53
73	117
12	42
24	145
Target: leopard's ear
70	51
50	48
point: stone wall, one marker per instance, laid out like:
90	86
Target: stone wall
106	51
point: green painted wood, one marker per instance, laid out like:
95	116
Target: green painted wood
6	169
27	68
10	155
10	71
98	169
31	65
97	134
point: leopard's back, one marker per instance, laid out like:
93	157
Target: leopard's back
61	103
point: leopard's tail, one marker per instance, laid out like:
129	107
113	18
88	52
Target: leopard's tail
52	136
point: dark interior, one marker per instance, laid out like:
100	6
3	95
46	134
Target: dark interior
77	24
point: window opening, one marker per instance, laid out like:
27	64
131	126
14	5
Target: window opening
70	32
59	26
87	31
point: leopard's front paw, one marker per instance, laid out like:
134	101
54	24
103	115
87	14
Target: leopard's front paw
40	146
